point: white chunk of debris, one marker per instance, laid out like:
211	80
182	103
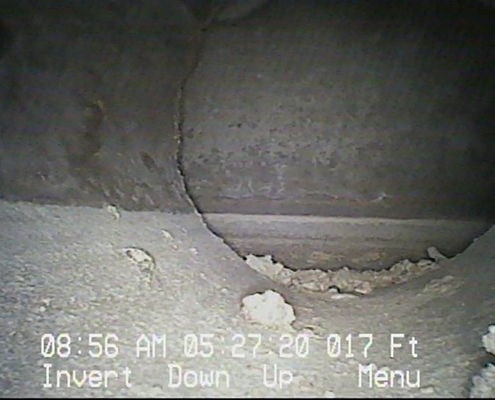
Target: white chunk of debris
113	211
403	266
489	340
484	384
167	235
352	281
363	288
423	265
269	309
140	257
312	279
434	254
265	265
344	279
343	296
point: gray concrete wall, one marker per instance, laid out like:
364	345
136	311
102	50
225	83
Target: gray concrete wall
346	108
303	108
89	101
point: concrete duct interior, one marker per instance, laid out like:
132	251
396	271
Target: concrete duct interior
149	149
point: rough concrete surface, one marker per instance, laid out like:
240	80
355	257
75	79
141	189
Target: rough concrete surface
369	109
321	134
65	275
89	102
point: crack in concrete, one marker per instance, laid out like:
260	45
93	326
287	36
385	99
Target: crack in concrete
192	61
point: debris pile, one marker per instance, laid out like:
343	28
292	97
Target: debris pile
344	280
